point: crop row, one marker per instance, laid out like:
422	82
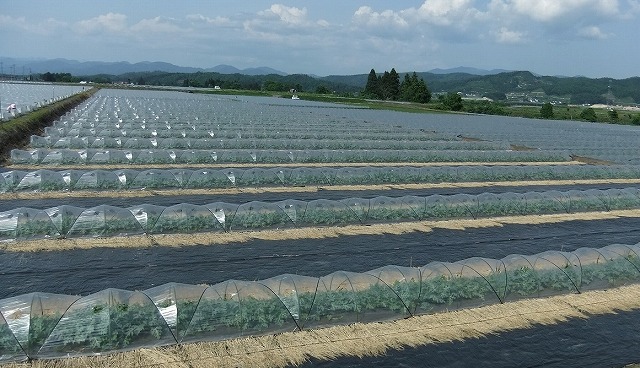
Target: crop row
215	143
253	132
40	325
104	220
184	121
230	156
71	180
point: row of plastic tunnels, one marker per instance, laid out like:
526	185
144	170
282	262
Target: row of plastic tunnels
104	220
283	143
70	180
164	156
43	325
239	132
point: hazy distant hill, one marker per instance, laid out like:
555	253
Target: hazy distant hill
228	69
76	67
497	84
467	70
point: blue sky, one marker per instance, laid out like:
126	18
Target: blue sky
595	38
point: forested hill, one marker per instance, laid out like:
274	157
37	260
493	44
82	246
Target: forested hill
519	86
270	82
578	90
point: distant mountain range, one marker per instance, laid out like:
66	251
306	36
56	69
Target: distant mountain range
15	66
82	68
467	70
497	84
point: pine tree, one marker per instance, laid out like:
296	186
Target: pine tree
405	88
394	84
372	89
414	89
385	85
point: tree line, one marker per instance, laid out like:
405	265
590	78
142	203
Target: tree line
387	86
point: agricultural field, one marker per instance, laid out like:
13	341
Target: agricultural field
26	97
149	221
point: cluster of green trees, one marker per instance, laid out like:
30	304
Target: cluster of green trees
546	111
452	101
59	77
270	82
388	87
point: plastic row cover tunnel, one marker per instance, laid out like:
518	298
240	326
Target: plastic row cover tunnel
157	156
41	325
283	143
104	220
48	180
239	132
71	125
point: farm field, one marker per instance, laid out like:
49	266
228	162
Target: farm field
144	219
29	96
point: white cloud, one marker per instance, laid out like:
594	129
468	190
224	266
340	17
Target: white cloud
504	35
447	12
285	25
43	28
157	25
365	16
593	33
110	22
217	21
287	15
552	10
323	23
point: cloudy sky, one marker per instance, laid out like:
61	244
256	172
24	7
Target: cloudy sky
595	38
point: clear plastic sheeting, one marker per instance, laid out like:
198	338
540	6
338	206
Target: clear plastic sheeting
199	156
67	221
26	223
42	180
30	96
105	221
261	215
280	144
177	304
109	320
238	308
187	218
108	130
10	349
48	180
40	325
32	317
64	217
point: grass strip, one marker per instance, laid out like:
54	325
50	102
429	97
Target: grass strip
221	239
372	339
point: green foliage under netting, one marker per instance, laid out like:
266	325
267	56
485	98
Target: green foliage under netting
111	326
145	157
264	144
106	220
47	180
